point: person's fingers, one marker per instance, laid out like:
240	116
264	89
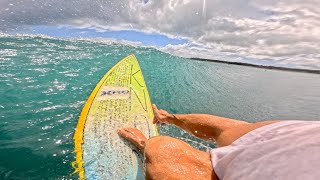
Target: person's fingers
154	106
124	132
156	114
121	132
155	109
155	120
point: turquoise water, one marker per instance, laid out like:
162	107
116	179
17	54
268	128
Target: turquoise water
44	83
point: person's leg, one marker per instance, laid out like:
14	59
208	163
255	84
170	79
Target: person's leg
232	133
170	158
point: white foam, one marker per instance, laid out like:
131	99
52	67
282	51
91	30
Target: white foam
4	34
35	35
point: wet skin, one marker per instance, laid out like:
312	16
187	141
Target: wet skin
170	158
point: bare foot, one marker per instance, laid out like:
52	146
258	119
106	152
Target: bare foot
134	136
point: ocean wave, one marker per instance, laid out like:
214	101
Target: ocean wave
99	40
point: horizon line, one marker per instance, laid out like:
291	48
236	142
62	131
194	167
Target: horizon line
301	70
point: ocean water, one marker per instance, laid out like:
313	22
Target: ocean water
44	83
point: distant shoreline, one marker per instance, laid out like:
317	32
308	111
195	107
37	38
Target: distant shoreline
260	66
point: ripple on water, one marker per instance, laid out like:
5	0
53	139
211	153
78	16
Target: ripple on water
59	85
70	47
46	128
40	60
77	104
71	72
48	108
68	118
6	75
42	70
8	52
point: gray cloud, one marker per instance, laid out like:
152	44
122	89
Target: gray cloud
281	32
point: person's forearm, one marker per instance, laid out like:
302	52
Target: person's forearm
204	126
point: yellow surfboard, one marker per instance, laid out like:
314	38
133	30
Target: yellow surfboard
120	99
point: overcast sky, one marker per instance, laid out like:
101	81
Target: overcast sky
275	32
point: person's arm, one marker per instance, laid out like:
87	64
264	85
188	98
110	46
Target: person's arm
204	126
208	127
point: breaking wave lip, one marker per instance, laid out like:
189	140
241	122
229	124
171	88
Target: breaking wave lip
109	41
98	40
4	34
27	35
35	35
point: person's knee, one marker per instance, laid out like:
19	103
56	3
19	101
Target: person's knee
159	141
160	145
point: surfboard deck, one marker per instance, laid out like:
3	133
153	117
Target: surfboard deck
120	99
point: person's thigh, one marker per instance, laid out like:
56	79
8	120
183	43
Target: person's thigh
229	135
170	158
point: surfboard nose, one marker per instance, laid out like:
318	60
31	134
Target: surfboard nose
120	99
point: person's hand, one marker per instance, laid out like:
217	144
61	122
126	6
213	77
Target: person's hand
161	116
133	135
